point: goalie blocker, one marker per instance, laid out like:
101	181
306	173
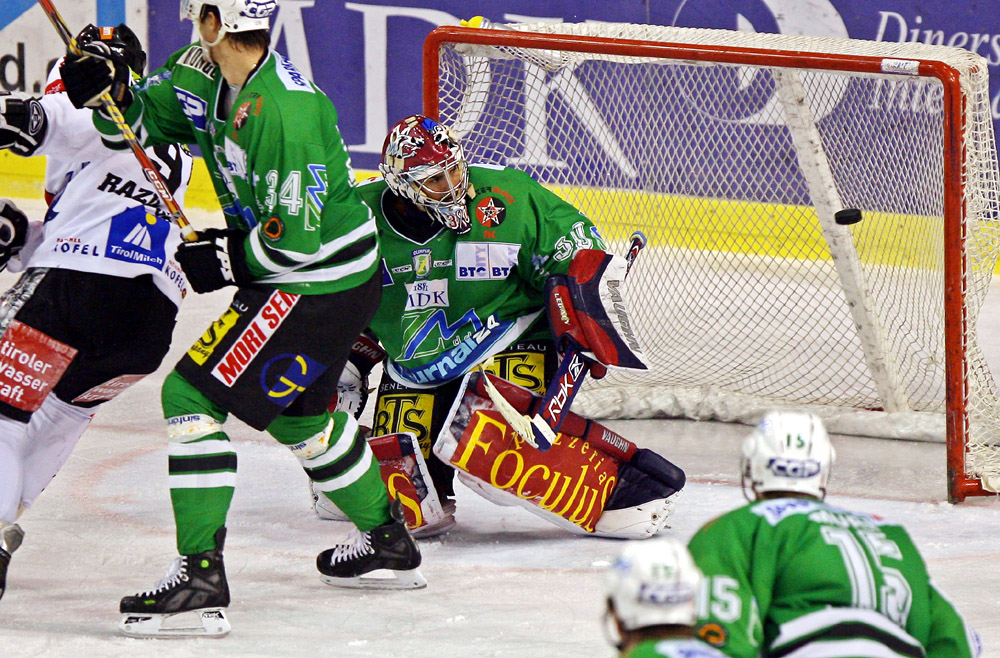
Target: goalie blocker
592	480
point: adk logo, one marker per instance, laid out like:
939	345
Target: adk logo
750	92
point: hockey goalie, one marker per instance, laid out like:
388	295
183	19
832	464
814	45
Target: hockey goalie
483	265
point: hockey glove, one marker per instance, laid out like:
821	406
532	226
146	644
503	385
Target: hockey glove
22	123
13	231
97	71
215	260
352	388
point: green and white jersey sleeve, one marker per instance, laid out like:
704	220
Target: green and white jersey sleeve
455	300
278	164
797	577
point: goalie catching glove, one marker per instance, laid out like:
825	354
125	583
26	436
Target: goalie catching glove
215	260
589	312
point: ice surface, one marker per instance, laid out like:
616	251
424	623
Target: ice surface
501	583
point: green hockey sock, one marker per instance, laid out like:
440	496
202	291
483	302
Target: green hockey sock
340	462
202	464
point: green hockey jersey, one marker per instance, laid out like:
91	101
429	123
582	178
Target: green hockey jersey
798	577
277	162
454	300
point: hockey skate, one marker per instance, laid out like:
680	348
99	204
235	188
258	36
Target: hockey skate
189	601
10	538
385	557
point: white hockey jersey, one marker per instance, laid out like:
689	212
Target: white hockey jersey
102	216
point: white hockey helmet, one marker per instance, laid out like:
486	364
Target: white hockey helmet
236	15
419	148
653	582
787	451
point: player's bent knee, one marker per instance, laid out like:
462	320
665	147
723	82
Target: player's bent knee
180	398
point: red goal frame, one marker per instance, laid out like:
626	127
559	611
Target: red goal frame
960	485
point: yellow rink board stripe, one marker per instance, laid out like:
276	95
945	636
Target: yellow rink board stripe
764	229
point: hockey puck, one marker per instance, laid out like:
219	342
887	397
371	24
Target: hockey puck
847	216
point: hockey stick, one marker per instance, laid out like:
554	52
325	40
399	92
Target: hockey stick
540	430
108	104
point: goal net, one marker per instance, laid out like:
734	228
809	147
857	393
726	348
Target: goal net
734	152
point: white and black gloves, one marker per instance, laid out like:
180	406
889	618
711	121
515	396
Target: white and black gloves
97	71
22	123
216	260
13	231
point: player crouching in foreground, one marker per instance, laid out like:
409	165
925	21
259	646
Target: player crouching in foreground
790	575
653	590
472	257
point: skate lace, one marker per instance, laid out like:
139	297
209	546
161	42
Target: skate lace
176	573
356	545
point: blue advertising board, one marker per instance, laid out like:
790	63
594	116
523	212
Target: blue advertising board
367	54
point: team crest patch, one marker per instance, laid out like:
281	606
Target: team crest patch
273	228
490	212
714	634
421	262
241	115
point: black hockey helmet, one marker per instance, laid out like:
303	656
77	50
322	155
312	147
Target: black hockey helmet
121	40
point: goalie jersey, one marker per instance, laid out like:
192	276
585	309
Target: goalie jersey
788	574
452	301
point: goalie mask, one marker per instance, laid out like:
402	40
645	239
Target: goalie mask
653	582
788	451
121	40
235	15
423	162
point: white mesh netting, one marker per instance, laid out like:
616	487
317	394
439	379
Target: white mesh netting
740	295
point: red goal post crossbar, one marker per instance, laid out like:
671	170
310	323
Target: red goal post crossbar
960	485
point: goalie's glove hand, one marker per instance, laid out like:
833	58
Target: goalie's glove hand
97	71
13	231
22	123
215	260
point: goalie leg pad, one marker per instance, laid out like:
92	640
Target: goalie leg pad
602	484
406	477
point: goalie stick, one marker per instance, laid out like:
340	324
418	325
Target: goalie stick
152	174
540	430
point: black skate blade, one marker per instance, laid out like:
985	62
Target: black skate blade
380	579
206	622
